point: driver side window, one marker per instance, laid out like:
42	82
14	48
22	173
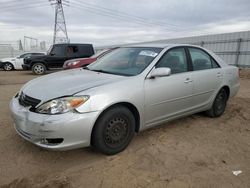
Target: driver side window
174	59
57	51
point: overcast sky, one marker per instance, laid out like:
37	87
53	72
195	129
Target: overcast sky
114	21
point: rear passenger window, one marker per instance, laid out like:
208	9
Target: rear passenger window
200	59
72	51
174	59
214	64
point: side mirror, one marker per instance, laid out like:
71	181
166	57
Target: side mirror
160	72
52	54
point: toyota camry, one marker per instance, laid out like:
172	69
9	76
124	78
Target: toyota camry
129	90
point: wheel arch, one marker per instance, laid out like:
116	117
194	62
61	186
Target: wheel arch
227	89
9	63
128	105
43	62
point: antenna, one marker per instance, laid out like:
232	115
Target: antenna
60	30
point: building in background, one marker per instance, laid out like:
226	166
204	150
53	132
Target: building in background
234	48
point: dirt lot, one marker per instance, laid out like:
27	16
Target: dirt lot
195	151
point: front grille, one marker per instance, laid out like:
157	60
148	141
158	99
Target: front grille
26	101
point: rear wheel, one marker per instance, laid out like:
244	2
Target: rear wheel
219	104
113	130
8	67
39	68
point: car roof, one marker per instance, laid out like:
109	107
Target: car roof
158	45
33	53
70	44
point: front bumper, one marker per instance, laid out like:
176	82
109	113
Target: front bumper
72	129
66	67
1	64
26	67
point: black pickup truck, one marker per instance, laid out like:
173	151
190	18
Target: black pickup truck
57	55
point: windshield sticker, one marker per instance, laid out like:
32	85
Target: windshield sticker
148	53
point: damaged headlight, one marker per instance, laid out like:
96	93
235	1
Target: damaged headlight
62	105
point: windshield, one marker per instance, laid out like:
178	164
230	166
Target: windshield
96	55
125	61
49	50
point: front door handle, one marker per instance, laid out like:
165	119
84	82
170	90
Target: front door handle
188	80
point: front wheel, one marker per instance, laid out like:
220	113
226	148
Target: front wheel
219	104
38	68
113	131
8	67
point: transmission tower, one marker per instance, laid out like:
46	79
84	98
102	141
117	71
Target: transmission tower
60	30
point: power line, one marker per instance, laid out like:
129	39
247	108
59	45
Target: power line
169	27
113	15
95	9
119	17
20	3
23	7
126	14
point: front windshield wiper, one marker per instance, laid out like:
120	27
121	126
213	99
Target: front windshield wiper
100	70
86	68
115	73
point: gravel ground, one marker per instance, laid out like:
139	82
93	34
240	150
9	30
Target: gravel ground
195	151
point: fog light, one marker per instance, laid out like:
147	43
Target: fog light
51	141
44	141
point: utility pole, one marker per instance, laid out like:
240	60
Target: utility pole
60	30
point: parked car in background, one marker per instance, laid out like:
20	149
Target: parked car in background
57	55
83	62
129	90
12	63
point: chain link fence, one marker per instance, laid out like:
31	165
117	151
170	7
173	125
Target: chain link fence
16	48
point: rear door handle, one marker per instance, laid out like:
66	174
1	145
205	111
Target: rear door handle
188	80
219	74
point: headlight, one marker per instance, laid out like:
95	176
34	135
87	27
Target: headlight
62	105
73	63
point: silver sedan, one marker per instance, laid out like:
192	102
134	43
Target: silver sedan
129	90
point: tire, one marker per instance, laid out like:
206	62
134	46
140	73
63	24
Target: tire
113	130
219	104
38	68
8	67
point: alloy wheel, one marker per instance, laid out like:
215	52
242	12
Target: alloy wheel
7	67
38	69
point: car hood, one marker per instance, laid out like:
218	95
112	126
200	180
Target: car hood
66	83
8	59
36	57
82	60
